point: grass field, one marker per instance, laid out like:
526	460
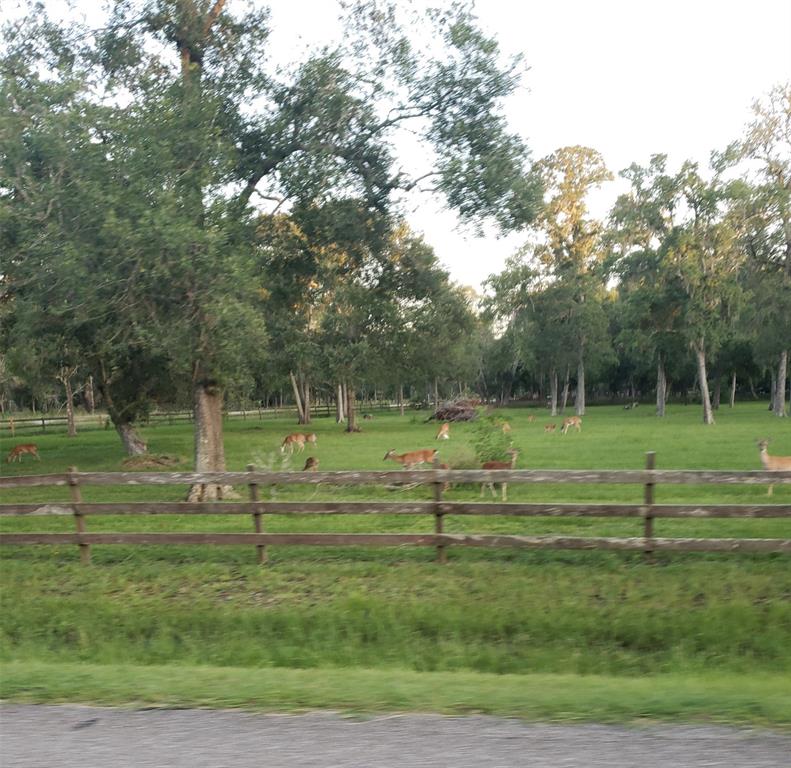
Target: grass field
559	635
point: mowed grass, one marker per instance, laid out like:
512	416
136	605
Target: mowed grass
361	619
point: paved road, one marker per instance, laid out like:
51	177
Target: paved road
87	737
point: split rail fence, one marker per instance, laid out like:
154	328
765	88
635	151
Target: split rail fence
647	512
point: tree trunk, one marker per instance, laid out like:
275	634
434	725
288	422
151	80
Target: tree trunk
297	398
661	387
717	394
780	388
580	403
553	392
305	401
90	401
339	410
772	390
72	426
565	397
700	354
436	395
209	447
733	390
133	444
401	399
64	376
351	415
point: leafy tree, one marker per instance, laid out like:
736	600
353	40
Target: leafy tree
762	210
573	249
206	126
640	223
74	220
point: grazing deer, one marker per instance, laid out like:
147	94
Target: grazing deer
500	465
531	419
772	462
17	451
550	428
571	421
367	417
444	432
311	465
413	458
299	439
506	427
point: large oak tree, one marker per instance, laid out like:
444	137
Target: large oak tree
208	127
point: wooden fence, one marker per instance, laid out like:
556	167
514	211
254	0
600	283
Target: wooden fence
99	420
437	508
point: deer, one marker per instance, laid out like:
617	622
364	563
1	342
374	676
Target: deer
413	458
299	439
571	421
506	427
550	428
311	465
531	419
16	452
772	462
500	465
444	432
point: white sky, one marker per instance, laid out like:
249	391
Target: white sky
630	78
626	77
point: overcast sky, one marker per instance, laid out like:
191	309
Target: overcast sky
629	79
626	77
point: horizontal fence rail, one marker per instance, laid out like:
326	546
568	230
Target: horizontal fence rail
698	511
420	476
437	508
100	420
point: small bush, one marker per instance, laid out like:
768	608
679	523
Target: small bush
488	439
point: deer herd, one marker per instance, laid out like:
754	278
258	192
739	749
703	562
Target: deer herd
296	442
411	459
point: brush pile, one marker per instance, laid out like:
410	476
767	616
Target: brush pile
459	410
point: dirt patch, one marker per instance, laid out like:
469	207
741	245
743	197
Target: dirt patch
152	461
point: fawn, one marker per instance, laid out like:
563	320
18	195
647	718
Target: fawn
16	452
772	462
571	421
298	439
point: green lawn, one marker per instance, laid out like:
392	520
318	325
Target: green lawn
561	635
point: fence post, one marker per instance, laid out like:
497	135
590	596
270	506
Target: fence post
257	523
442	555
43	424
79	519
648	500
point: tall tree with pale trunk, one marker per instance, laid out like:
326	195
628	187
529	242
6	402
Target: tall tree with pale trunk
764	212
573	250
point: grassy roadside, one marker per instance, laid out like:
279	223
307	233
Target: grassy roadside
541	635
763	700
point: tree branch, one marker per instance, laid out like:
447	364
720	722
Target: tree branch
212	17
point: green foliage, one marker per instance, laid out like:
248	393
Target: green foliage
136	152
488	439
